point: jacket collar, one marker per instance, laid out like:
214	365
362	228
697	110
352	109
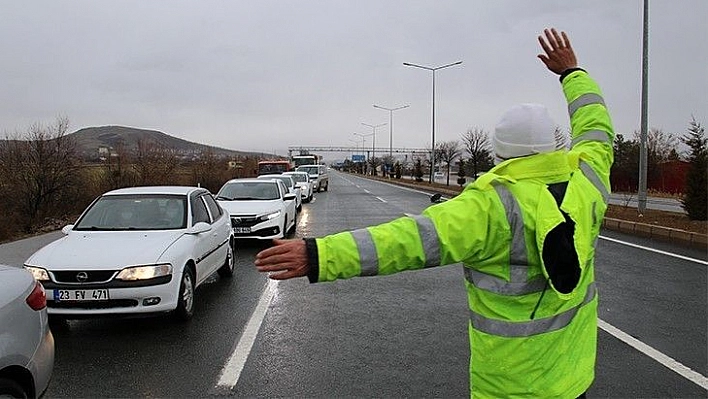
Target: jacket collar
552	164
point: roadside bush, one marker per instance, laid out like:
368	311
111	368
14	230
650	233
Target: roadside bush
40	173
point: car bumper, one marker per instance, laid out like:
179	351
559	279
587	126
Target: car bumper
42	363
261	231
123	300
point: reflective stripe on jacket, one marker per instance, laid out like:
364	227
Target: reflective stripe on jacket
528	337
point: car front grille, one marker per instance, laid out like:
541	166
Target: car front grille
83	276
244	221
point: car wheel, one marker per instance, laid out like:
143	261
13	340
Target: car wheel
12	389
185	301
327	187
227	269
291	232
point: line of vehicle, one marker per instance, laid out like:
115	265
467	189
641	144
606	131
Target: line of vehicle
661	358
231	372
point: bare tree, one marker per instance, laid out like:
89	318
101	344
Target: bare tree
40	172
118	172
476	143
448	153
562	137
154	163
209	171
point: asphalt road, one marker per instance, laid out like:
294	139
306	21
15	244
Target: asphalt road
396	336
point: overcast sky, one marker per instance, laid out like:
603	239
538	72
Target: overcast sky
264	75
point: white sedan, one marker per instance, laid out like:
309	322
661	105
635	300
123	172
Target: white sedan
302	180
136	251
26	342
260	208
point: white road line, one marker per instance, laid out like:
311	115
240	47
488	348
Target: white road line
381	199
666	361
658	251
232	370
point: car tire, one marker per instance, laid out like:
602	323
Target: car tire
12	389
185	300
227	269
327	187
292	230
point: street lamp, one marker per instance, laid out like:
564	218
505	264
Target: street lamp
432	166
373	133
390	126
363	138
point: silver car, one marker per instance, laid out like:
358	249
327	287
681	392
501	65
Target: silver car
26	343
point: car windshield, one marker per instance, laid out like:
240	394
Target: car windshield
135	212
248	191
313	170
299	178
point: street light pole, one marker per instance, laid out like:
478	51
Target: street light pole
373	133
390	126
432	155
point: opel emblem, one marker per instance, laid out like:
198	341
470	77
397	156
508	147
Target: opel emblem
81	277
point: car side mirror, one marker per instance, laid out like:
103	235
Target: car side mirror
289	197
66	229
200	227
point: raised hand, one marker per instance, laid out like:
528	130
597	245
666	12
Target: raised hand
559	54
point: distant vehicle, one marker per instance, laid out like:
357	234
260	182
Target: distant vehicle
260	208
439	175
136	250
290	184
273	167
318	175
310	159
26	342
302	180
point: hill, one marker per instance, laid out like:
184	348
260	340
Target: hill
90	139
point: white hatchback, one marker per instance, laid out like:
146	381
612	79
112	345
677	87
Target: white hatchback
260	208
302	180
136	251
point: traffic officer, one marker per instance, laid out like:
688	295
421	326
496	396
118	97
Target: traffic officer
525	232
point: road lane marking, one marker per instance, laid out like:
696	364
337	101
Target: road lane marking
664	360
381	199
233	368
658	251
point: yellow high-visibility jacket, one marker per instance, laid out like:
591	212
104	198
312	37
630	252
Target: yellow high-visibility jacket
528	262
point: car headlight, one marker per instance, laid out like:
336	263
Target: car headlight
39	273
144	272
270	216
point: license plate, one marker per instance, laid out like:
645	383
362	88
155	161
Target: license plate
242	230
81	295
